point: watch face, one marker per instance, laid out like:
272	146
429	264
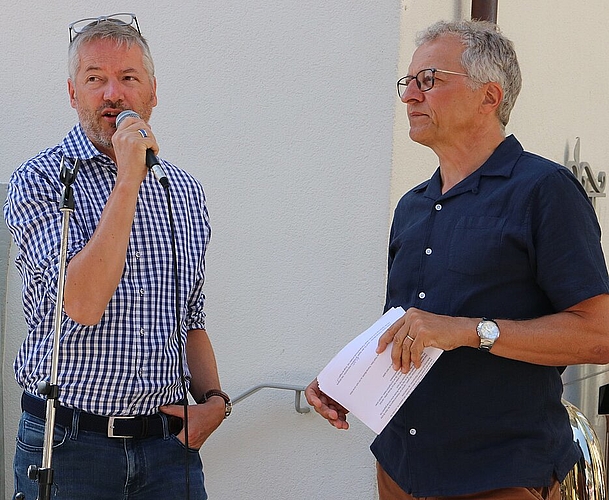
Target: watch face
488	330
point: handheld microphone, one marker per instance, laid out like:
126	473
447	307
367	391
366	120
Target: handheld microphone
152	162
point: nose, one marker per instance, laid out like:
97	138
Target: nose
113	90
412	93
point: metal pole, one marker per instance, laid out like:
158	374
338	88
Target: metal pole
485	10
44	474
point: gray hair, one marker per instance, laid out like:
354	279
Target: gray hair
488	57
108	30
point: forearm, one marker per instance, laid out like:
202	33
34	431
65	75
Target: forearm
201	363
578	335
94	273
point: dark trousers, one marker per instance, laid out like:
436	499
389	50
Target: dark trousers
92	466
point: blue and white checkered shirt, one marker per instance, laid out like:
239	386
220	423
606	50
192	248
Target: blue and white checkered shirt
127	364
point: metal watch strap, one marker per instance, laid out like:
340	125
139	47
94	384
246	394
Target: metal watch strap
486	343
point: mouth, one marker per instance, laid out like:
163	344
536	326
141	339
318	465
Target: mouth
110	114
415	114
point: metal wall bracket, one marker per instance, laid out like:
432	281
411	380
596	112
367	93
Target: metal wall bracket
594	186
298	389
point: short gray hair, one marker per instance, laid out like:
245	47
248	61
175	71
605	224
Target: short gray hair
488	57
108	30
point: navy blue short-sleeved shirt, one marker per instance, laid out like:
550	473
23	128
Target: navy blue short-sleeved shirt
517	239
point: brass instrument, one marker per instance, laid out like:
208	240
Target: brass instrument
586	481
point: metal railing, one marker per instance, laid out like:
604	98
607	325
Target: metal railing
298	390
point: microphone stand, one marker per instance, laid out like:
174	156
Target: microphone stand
44	474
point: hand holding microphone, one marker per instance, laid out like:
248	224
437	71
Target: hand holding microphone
152	162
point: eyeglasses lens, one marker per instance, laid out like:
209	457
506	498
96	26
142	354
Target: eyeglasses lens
425	80
403	85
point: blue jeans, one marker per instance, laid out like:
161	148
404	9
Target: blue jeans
92	466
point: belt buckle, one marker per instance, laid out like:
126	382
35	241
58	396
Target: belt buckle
111	421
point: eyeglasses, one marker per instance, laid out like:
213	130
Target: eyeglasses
122	18
425	79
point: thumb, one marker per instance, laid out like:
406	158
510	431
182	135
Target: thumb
174	410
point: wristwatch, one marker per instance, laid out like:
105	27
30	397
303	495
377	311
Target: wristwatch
228	405
488	331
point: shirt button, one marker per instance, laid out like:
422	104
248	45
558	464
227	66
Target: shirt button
142	291
428	251
413	432
137	255
142	332
438	207
421	295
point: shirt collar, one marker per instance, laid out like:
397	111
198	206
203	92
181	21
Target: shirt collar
502	161
77	145
499	164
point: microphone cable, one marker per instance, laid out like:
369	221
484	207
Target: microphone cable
179	331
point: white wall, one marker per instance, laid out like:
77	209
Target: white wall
288	114
284	110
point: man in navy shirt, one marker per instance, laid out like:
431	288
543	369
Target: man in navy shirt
497	261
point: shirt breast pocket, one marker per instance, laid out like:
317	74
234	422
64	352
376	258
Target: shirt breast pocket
475	245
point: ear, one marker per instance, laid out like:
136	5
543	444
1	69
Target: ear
72	93
155	100
493	96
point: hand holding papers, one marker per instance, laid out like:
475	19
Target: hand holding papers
365	382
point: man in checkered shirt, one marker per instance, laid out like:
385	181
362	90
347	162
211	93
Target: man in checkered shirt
120	377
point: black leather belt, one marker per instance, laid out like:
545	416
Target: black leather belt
140	426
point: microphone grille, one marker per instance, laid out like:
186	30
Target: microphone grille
124	114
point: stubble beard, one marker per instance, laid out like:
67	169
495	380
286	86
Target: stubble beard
92	121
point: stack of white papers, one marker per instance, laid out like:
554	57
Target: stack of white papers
365	382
